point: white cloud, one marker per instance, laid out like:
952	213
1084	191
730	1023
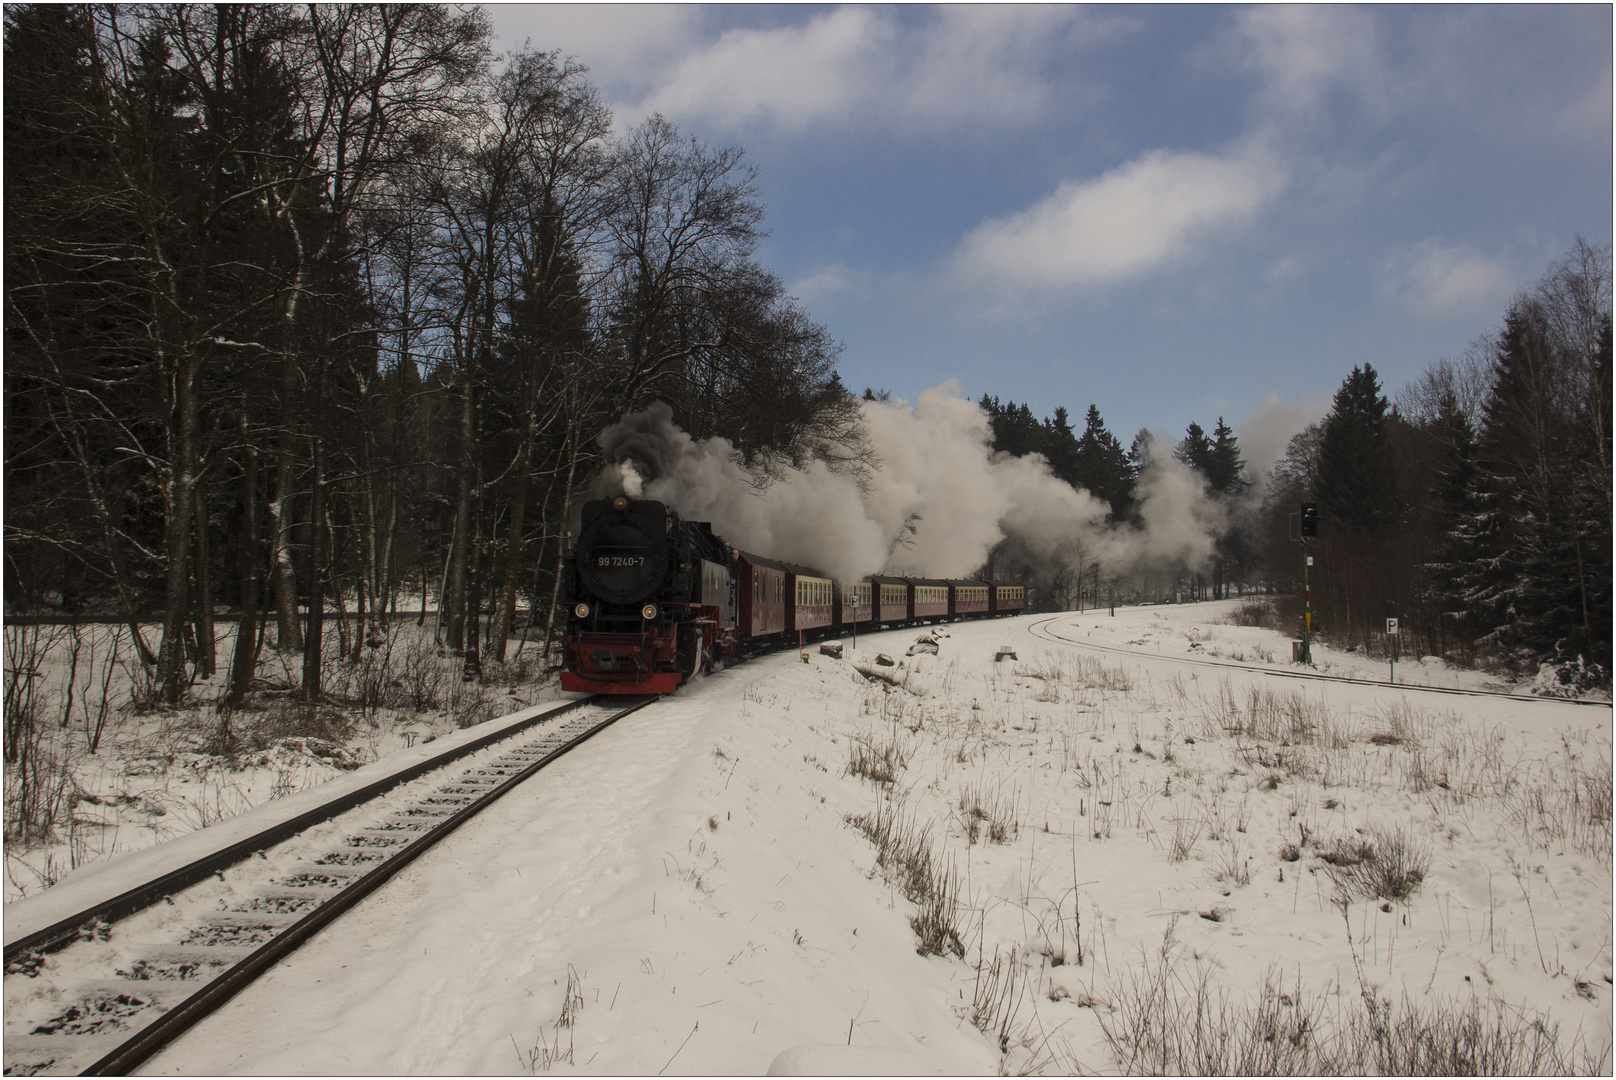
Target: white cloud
1589	117
788	74
1134	219
1303	52
1430	279
623	43
981	63
824	283
876	66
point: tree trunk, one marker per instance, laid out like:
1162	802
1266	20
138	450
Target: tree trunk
283	573
317	569
561	549
182	440
206	645
344	641
513	561
473	615
241	667
385	600
460	549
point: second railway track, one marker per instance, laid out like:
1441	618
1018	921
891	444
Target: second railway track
1044	629
166	955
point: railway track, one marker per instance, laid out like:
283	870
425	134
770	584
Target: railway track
1042	629
174	950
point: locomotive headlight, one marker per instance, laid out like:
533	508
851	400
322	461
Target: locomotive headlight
582	611
648	612
620	503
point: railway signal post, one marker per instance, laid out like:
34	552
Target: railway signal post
1309	530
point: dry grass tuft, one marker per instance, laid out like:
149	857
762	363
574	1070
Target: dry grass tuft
1385	865
903	851
1165	1021
878	763
996	813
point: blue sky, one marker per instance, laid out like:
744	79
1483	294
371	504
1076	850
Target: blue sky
1175	213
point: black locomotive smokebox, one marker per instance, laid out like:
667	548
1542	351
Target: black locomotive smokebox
623	553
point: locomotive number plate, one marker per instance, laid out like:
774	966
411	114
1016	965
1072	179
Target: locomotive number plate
620	560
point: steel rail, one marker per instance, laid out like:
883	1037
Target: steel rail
1041	629
183	1016
73	928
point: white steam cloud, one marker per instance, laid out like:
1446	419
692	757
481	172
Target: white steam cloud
935	503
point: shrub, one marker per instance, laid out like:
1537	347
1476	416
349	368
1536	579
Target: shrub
1388	865
1254	613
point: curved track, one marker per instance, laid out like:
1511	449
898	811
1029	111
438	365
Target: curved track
276	901
1042	629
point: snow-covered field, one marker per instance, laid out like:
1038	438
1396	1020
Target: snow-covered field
1135	848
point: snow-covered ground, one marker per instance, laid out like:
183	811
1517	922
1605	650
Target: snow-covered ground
1137	819
151	775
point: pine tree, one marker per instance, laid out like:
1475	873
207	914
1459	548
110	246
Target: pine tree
1357	488
1139	450
1195	449
1104	467
1226	469
1061	447
1591	507
1223	471
1457	578
1015	430
1536	580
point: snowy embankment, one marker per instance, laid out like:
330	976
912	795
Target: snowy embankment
110	771
1111	850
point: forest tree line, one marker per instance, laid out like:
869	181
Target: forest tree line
1096	462
311	307
1475	509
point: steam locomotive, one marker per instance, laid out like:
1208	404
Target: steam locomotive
653	599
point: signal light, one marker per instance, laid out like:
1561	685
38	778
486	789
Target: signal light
1310	519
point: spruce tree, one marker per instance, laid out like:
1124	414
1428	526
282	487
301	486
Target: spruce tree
1226	469
1062	447
1139	450
1458	577
1104	468
1195	449
1357	486
1537	577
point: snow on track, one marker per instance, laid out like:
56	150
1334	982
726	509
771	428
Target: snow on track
687	869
